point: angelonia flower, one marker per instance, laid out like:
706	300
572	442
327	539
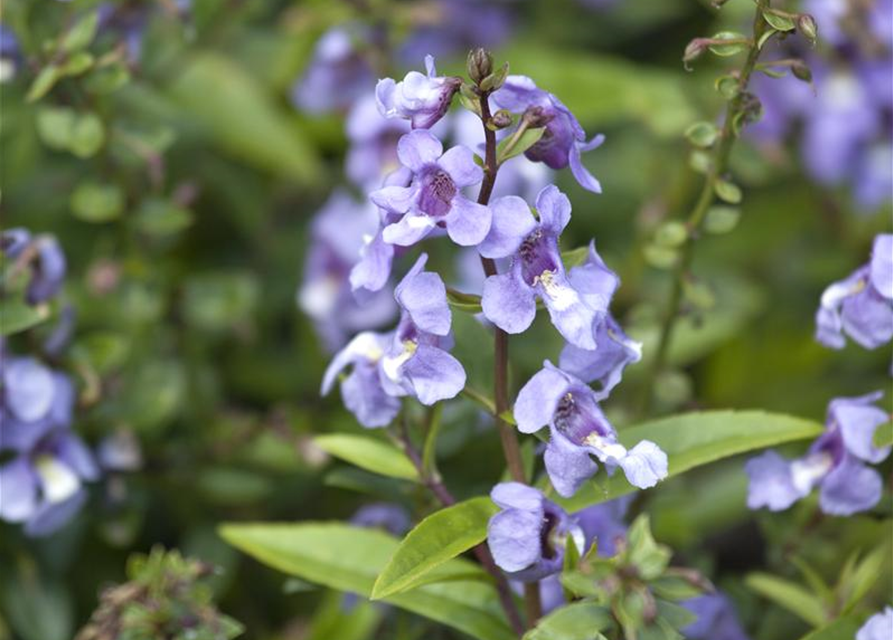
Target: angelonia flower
434	199
860	306
338	72
603	524
10	54
717	619
421	99
573	299
42	484
47	265
372	155
456	26
579	430
563	141
412	360
338	232
614	350
836	463
877	627
530	534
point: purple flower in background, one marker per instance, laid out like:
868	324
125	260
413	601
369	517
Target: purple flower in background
528	537
861	306
417	362
536	271
455	26
337	234
614	350
372	271
43	488
14	241
421	99
603	524
433	200
382	515
47	262
338	73
878	627
717	619
120	451
372	155
835	462
10	54
34	400
579	430
563	141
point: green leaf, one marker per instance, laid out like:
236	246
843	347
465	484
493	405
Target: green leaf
575	257
438	538
76	64
87	135
883	436
348	559
94	202
721	219
368	453
159	217
81	34
727	191
788	595
777	21
466	302
671	234
692	440
518	146
576	621
44	81
221	300
19	316
731	49
727	86
702	134
643	552
841	629
863	577
244	119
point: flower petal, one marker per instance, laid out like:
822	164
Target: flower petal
644	465
468	222
423	296
365	397
568	465
419	148
538	399
18	490
514	539
515	495
882	265
771	482
459	162
851	487
408	230
858	419
508	302
394	198
512	222
434	374
554	209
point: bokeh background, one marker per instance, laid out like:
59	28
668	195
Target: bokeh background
187	227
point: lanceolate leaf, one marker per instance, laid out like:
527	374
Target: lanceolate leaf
789	595
842	629
18	316
577	621
438	538
348	559
368	453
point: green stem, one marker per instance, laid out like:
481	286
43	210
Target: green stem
718	167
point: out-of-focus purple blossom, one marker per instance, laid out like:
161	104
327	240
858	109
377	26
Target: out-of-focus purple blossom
717	619
835	463
433	200
120	452
412	360
338	72
14	241
338	233
10	54
528	537
580	430
382	515
372	155
877	627
62	333
603	524
455	26
563	141
43	488
47	262
831	16
373	269
34	400
536	270
421	99
860	306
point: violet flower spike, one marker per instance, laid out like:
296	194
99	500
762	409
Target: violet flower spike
433	200
835	463
861	306
528	537
564	140
536	270
580	430
421	99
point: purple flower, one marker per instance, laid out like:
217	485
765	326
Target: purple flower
43	488
10	54
614	350
433	200
372	271
563	141
834	462
34	400
536	270
14	241
529	536
579	430
337	235
717	619
861	305
382	515
120	451
372	155
412	360
338	73
421	99
878	627
603	524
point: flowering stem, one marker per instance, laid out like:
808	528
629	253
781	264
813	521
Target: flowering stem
433	481
717	168
510	447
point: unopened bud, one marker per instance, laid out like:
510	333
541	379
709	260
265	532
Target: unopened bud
479	64
501	119
693	51
801	71
536	117
808	27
